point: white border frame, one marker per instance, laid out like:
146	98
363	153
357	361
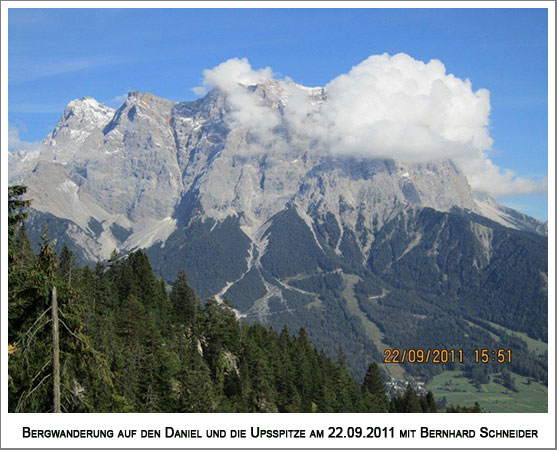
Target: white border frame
544	422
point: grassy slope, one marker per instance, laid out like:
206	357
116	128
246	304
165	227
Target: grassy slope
493	397
538	347
372	330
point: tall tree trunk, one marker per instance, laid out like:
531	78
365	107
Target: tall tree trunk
55	352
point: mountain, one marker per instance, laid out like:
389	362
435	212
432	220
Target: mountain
365	253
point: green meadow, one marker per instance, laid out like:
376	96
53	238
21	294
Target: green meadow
492	396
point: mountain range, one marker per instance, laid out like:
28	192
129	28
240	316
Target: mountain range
365	253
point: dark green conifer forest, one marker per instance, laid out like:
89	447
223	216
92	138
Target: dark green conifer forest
128	343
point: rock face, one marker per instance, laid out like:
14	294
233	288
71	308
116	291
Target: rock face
248	217
133	167
117	168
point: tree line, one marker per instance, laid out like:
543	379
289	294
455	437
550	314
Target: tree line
129	343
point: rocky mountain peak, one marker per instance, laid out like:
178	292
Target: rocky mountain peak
139	108
279	92
153	162
82	115
79	128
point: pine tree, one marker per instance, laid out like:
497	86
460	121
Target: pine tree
17	209
22	251
185	305
66	265
411	402
131	325
374	390
430	401
373	381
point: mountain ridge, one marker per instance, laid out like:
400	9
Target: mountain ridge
87	126
290	233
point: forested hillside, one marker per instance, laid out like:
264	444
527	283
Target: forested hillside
128	344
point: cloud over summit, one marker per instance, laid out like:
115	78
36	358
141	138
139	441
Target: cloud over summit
385	107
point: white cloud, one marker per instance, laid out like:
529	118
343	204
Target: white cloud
385	107
227	75
15	142
119	99
247	111
485	176
403	106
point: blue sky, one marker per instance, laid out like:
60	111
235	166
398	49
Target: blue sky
56	55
